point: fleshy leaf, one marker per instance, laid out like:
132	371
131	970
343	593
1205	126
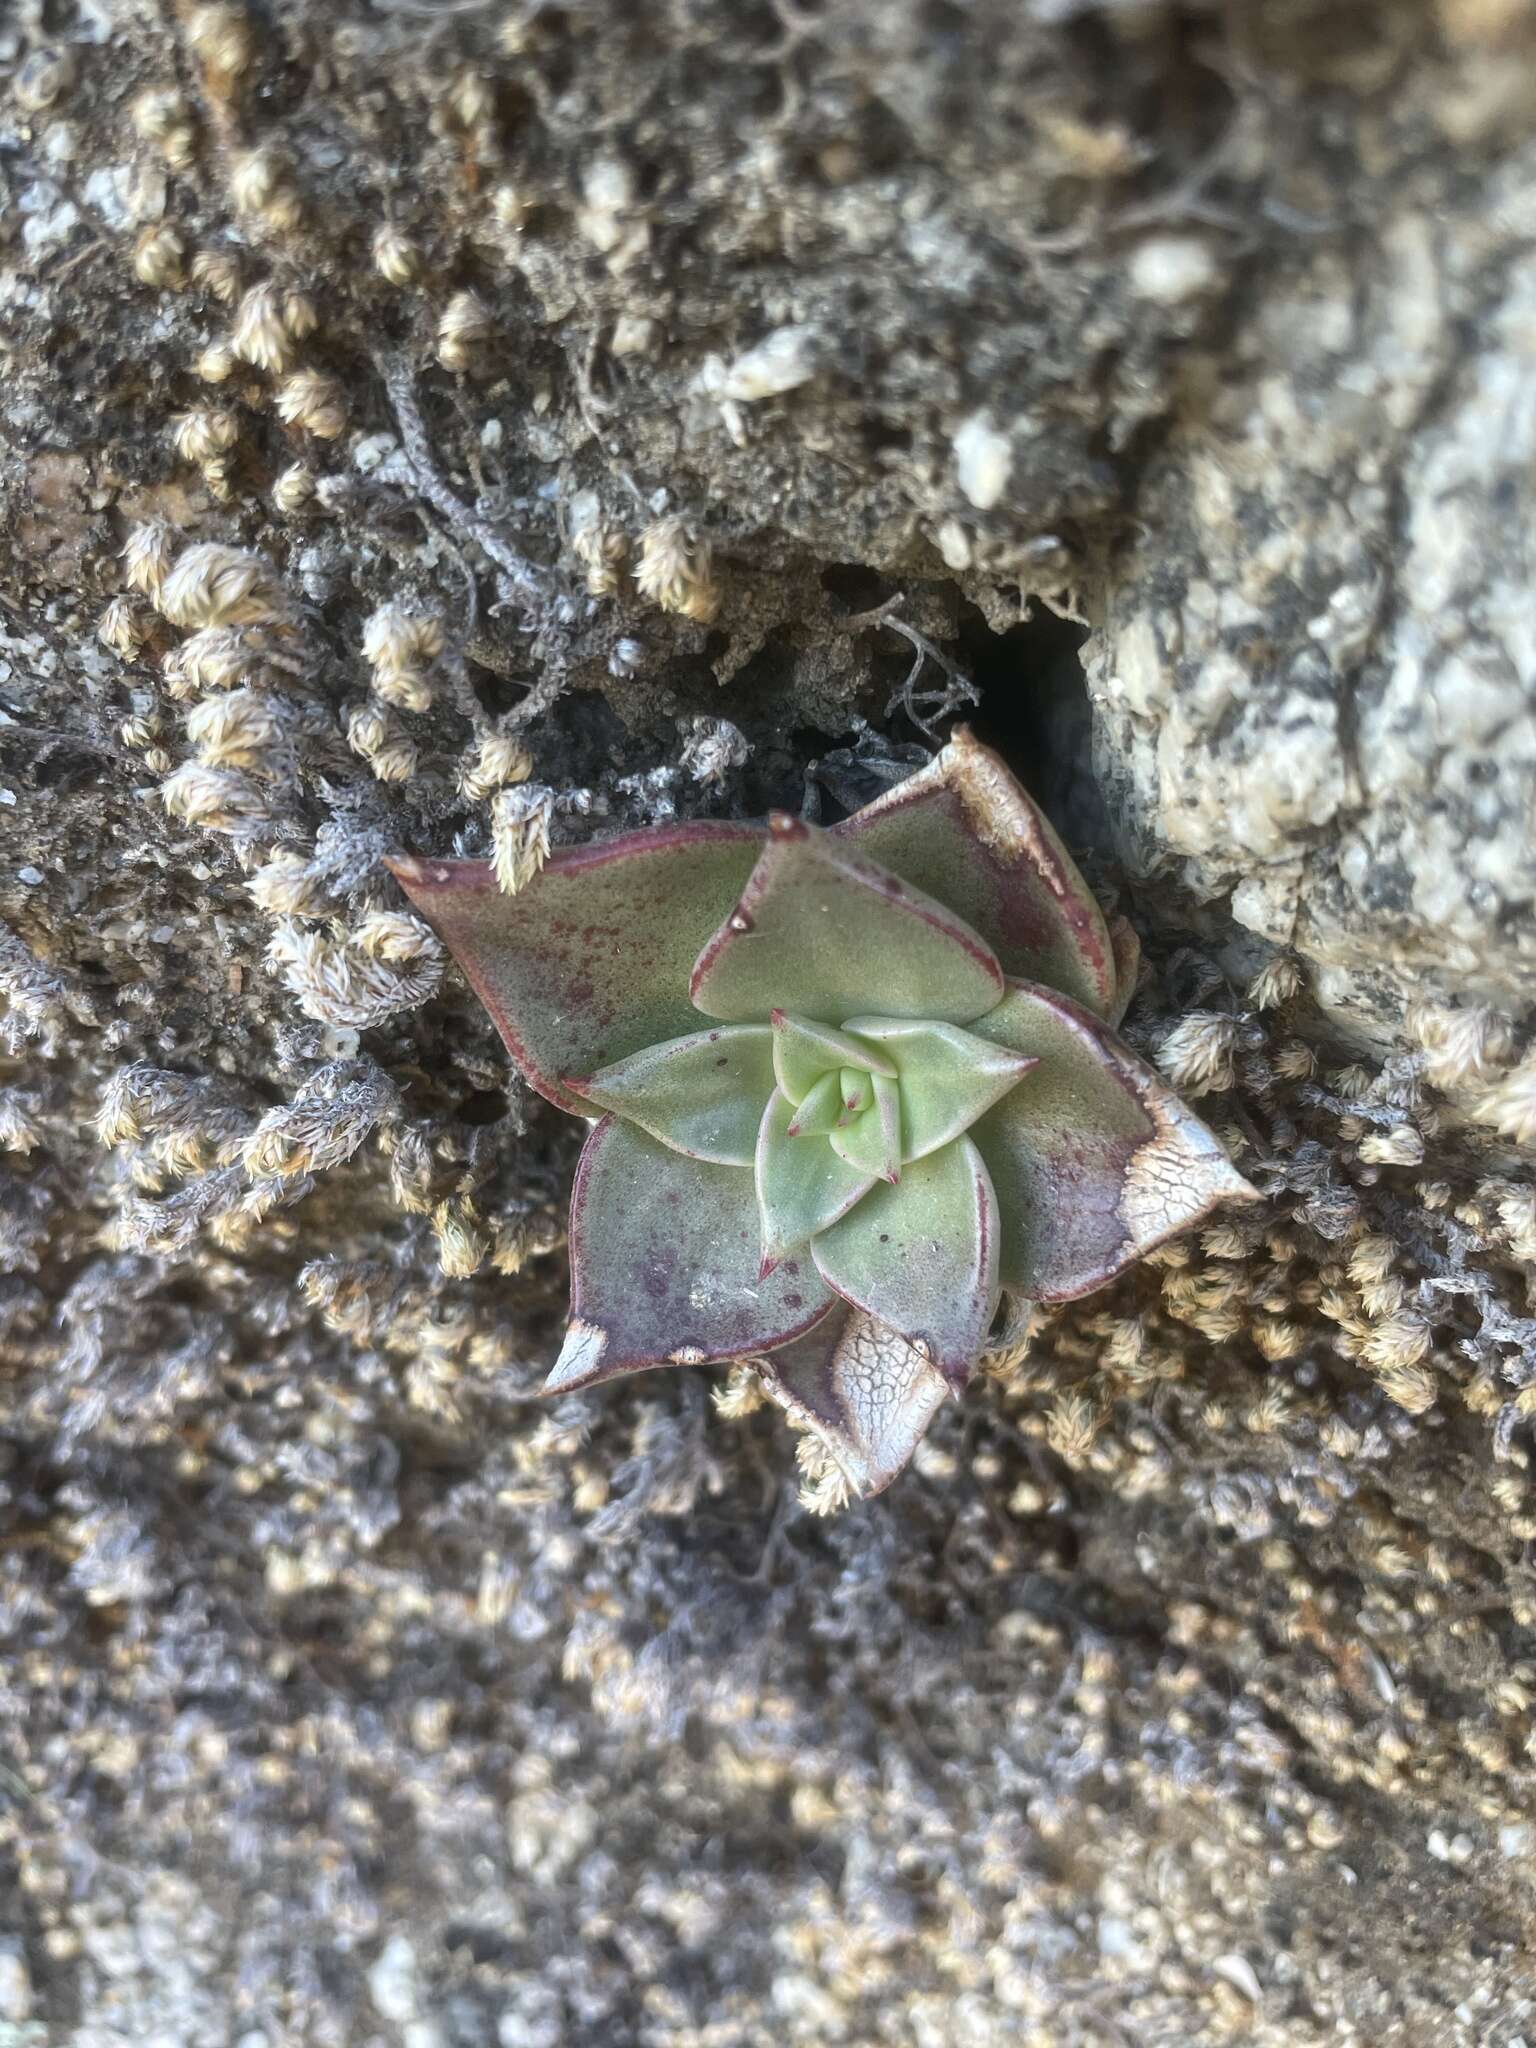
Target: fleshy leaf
1126	945
922	1256
702	1095
802	1184
591	960
872	1142
803	1051
1094	1159
868	1394
963	828
856	1091
948	1077
666	1264
820	1110
818	929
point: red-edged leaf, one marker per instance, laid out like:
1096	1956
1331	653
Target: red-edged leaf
964	829
922	1256
591	960
868	1394
1095	1160
665	1264
821	932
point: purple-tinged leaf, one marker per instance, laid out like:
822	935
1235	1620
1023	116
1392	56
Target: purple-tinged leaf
819	929
802	1184
963	828
803	1052
591	960
867	1392
947	1076
702	1095
872	1141
922	1257
1095	1160
666	1263
1126	946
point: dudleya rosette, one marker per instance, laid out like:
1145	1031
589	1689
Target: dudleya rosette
852	1087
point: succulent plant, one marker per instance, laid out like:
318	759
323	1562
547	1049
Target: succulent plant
851	1087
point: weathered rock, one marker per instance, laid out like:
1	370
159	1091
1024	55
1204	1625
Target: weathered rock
1315	682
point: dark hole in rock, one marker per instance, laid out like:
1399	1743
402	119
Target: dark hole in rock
858	587
1034	711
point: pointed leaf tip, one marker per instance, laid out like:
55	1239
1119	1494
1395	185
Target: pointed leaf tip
580	1361
1095	1159
922	1256
949	1077
817	928
871	1141
666	1253
820	1110
590	962
964	828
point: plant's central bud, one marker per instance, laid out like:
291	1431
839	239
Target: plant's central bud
846	1092
883	1091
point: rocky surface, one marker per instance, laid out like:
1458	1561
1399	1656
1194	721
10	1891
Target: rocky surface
719	395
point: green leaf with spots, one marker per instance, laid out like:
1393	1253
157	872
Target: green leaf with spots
702	1095
817	929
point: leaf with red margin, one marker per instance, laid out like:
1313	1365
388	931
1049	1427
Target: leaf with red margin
922	1256
665	1264
820	932
589	962
1094	1159
963	829
868	1394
